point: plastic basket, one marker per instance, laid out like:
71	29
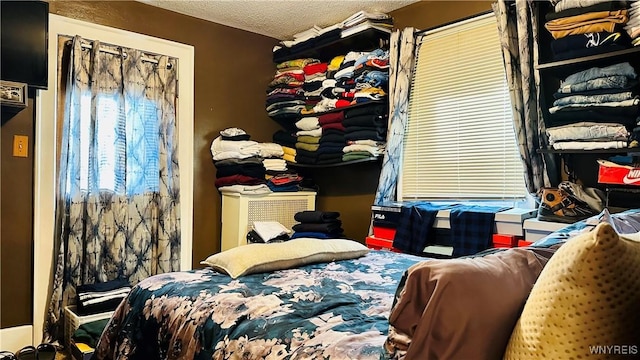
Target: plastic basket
72	321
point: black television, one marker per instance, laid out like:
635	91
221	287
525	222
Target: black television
24	42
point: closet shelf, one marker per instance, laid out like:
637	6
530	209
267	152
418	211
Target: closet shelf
630	151
343	163
604	56
288	123
368	39
563	68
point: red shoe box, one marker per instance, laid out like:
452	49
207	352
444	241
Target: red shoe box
384	233
522	243
376	243
612	173
505	241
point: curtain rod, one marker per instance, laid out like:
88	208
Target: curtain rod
143	58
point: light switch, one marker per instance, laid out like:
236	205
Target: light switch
20	145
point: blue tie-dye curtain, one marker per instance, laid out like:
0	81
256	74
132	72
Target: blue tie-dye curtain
118	178
401	60
518	29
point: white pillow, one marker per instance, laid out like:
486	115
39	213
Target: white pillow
257	258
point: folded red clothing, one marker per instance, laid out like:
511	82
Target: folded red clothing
334	117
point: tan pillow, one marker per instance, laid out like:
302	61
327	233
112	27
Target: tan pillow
257	258
585	304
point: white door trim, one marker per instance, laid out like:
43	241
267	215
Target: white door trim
45	149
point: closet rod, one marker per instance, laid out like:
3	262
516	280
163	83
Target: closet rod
88	46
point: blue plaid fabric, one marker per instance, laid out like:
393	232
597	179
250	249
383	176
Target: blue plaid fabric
415	227
472	228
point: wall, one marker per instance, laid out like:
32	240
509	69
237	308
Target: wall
16	234
230	79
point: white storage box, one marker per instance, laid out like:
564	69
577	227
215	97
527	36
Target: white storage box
509	222
535	229
72	321
239	211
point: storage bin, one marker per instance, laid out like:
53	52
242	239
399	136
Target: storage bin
72	321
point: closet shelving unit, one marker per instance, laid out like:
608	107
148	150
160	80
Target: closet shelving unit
366	40
580	163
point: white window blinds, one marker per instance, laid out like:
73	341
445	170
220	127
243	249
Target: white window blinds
459	142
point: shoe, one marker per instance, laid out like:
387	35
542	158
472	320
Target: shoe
46	351
558	205
7	355
27	353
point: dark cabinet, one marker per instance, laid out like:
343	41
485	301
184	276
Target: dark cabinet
581	165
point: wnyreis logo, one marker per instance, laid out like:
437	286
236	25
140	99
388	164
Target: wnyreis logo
632	177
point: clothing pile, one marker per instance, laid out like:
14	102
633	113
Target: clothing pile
354	78
285	93
317	36
358	78
285	182
587	27
240	162
633	25
101	297
267	231
365	132
317	224
287	140
595	109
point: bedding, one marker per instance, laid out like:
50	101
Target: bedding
336	310
462	308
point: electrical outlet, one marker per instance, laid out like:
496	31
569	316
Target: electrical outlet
20	145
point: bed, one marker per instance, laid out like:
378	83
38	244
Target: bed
336	310
387	305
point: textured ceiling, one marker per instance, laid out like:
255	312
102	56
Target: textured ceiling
279	19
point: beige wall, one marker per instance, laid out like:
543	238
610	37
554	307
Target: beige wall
232	70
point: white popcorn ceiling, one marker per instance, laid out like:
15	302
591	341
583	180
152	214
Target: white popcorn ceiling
280	19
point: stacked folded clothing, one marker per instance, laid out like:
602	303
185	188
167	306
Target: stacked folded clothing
633	25
288	142
285	182
365	131
582	28
332	141
357	77
588	136
285	93
595	109
318	36
318	224
607	94
239	161
101	297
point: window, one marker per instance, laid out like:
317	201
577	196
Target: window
140	157
459	142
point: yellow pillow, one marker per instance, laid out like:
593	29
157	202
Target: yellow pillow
257	258
586	302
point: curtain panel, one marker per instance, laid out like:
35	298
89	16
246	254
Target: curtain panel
401	60
118	186
518	29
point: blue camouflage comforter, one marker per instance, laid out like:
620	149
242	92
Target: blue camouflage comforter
335	310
